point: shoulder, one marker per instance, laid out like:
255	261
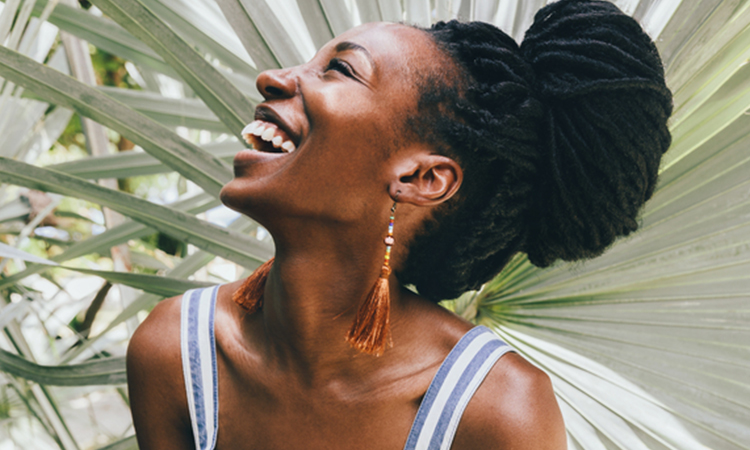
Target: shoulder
515	407
155	345
155	381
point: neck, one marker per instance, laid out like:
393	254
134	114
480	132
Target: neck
312	295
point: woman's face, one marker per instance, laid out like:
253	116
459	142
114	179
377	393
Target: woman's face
344	112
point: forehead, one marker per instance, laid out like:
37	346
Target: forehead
397	50
385	36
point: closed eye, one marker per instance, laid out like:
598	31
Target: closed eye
340	66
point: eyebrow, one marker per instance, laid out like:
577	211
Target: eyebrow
348	45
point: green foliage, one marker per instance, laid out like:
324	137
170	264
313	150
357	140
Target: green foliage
167	244
73	134
110	70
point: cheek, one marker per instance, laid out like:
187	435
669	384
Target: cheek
349	120
342	166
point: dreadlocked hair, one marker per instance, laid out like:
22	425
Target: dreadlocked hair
560	141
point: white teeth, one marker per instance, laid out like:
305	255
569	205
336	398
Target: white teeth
249	128
268	134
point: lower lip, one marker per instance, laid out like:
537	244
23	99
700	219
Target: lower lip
250	156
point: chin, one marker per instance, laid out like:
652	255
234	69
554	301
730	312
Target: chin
226	195
234	195
248	196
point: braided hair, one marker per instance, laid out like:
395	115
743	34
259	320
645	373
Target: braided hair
560	141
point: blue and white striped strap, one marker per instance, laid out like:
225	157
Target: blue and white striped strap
456	380
199	364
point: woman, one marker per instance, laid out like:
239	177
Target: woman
474	149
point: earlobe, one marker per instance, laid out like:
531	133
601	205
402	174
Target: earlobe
426	179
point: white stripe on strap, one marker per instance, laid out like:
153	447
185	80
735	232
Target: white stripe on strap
453	386
476	380
185	352
428	430
199	364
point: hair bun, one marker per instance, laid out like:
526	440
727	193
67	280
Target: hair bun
602	80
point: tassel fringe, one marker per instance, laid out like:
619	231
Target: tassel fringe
250	295
370	332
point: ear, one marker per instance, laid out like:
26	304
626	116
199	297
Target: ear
425	179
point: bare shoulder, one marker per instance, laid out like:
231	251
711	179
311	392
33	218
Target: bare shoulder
515	407
155	381
154	349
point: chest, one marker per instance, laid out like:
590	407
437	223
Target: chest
252	406
266	405
268	418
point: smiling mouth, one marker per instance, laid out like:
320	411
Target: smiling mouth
268	137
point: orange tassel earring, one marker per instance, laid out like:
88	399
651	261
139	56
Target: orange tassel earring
250	295
370	332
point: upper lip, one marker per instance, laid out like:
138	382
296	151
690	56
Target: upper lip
267	114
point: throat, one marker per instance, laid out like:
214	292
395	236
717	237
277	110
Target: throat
309	309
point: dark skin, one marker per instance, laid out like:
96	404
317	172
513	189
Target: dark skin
287	377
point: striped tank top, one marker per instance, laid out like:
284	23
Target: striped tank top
438	416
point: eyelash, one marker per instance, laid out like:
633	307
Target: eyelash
340	66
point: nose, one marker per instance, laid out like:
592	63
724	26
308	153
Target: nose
276	83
